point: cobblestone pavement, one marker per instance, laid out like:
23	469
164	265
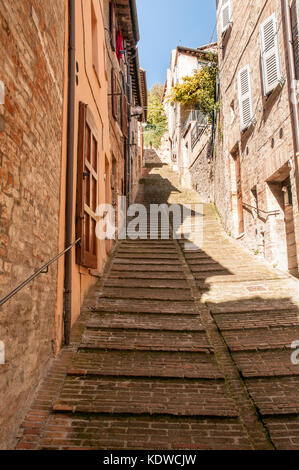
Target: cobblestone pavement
176	349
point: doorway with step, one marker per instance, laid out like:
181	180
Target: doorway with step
282	229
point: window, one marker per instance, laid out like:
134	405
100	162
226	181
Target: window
95	41
270	54
226	15
245	98
87	188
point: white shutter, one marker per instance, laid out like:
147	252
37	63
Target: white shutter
245	98
270	54
226	15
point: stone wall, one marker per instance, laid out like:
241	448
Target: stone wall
31	64
201	167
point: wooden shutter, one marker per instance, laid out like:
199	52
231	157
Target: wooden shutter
270	54
245	98
226	15
87	188
113	25
124	119
114	93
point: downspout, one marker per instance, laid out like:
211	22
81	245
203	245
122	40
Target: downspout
292	71
69	175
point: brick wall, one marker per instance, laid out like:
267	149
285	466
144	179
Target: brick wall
31	67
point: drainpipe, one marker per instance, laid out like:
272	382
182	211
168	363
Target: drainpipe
292	72
69	174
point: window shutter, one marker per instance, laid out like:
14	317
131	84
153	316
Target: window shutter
125	128
114	94
226	15
87	189
113	25
270	54
245	98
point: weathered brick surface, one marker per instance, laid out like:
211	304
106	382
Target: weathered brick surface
102	433
31	64
145	340
133	396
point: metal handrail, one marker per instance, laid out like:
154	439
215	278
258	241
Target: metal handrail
275	212
43	270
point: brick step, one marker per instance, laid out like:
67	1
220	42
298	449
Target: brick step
150	244
265	363
271	306
146	293
284	431
142	433
144	340
244	278
202	262
145	364
145	321
207	268
147	254
156	275
261	339
275	396
190	256
147	283
202	275
235	321
144	306
144	268
143	262
145	396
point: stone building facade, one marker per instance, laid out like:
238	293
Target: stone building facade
186	124
60	158
256	163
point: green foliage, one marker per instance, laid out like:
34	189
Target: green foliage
198	90
156	121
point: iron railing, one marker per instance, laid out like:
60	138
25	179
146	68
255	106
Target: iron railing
194	115
258	210
43	270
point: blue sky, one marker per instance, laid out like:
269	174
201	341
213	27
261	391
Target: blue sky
165	24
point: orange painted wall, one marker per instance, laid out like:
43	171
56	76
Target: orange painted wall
92	90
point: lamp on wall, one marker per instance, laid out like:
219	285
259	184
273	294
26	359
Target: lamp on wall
136	111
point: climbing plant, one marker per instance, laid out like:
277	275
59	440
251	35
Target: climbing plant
156	121
198	89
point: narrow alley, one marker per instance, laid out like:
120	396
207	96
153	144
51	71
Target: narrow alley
176	349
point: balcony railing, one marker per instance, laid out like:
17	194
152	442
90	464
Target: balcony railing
198	129
194	115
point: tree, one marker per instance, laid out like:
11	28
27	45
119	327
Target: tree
198	89
157	120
